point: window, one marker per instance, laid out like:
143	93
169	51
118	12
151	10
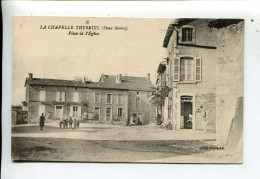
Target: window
120	112
109	98
41	110
97	97
42	95
120	99
137	93
186	69
137	102
75	97
187	34
60	96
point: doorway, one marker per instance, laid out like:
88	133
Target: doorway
186	112
58	112
108	114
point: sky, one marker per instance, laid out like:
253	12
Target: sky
135	50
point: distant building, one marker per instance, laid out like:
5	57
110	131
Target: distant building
110	100
205	71
140	90
18	115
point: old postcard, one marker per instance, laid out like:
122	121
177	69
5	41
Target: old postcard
140	90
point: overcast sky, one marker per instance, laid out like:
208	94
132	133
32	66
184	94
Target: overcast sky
52	53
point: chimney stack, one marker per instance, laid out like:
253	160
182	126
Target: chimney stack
148	77
30	76
119	78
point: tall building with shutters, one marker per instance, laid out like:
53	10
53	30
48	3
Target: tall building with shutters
112	99
194	50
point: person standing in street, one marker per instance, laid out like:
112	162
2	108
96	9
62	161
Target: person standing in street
204	116
42	119
70	123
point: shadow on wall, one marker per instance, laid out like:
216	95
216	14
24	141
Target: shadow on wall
235	135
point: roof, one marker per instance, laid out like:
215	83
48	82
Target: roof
73	83
109	82
130	82
221	23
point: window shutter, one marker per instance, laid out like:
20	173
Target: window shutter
76	97
79	110
63	96
57	96
71	111
198	69
176	69
44	96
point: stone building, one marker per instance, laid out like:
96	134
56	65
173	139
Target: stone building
140	90
104	101
199	52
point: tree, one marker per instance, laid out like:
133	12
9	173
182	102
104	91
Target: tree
159	97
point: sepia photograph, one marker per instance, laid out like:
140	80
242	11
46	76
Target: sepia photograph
127	90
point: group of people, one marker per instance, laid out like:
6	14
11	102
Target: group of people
67	123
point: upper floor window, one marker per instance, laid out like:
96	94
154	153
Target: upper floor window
187	34
60	96
42	95
75	97
120	99
97	97
187	69
109	98
138	103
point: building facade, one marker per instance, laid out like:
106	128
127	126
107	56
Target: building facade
194	49
62	99
140	91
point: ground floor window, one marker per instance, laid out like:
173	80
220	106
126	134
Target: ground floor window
120	112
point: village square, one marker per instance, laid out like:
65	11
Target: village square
192	112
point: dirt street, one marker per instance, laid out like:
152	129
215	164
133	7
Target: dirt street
108	143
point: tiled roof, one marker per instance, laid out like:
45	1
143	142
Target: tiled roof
73	83
130	82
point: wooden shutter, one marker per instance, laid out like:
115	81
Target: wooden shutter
198	69
63	96
57	96
71	111
76	97
176	69
79	110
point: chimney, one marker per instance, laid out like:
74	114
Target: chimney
30	76
119	78
148	77
101	80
